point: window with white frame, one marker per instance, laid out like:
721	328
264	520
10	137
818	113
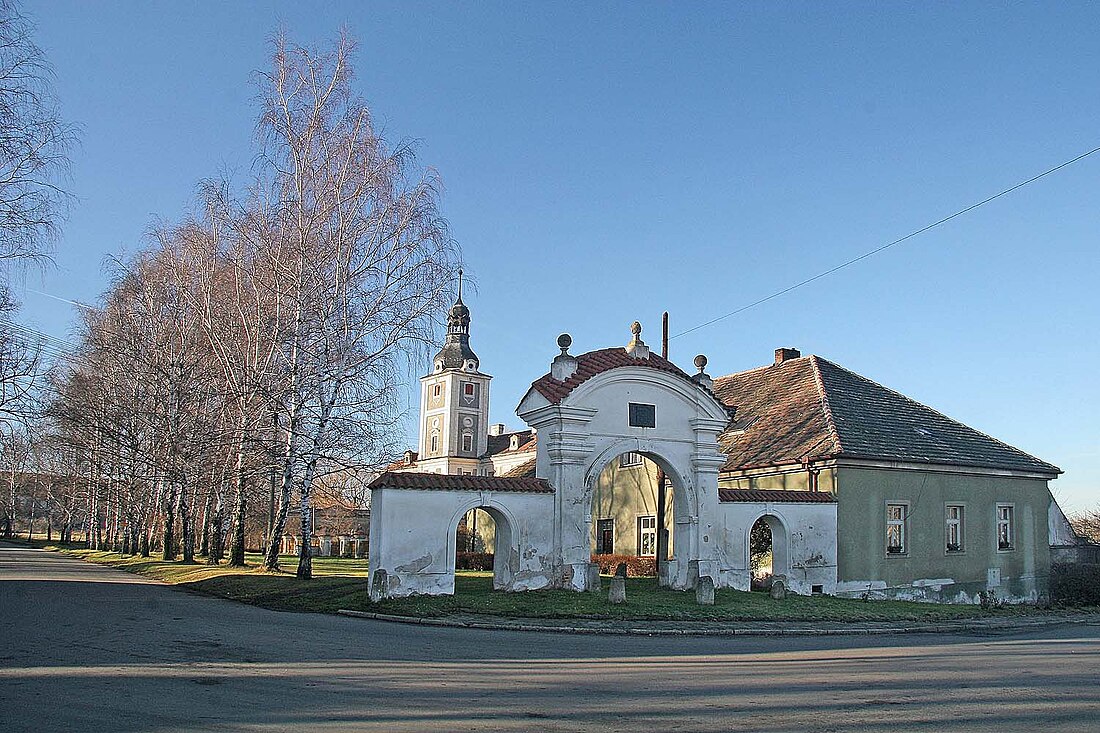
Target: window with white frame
953	527
897	533
437	389
467	442
630	459
647	536
1006	532
434	443
468	389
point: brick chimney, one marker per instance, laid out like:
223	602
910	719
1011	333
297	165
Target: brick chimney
785	353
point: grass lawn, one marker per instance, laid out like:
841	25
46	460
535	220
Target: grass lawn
341	583
647	601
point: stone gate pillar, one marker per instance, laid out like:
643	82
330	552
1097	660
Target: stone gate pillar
706	461
563	450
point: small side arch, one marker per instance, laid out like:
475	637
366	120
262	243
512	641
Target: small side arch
781	539
505	540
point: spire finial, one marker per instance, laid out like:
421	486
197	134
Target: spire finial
459	286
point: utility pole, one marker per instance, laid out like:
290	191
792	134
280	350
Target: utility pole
662	533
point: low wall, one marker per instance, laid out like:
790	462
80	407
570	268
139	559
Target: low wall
412	539
804	545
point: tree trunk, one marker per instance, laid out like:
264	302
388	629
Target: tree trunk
216	533
271	562
236	553
305	553
187	529
169	552
204	533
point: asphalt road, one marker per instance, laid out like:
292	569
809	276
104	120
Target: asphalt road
93	649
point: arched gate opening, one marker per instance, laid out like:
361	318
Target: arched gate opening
482	541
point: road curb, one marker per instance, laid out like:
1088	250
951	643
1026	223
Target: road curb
853	630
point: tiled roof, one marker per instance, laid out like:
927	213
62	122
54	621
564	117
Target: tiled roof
597	362
447	482
810	408
523	470
400	463
763	495
779	416
527	441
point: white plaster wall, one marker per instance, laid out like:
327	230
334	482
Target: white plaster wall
1059	530
412	538
810	536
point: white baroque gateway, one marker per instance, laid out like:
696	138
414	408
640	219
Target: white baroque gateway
587	410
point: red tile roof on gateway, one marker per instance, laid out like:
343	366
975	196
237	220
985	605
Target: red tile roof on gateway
809	408
598	362
452	482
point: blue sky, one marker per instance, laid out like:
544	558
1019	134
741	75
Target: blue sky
604	162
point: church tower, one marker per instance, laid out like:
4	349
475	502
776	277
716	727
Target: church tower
454	402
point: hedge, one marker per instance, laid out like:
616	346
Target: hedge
473	561
635	566
1075	584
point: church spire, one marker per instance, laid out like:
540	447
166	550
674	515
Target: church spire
456	352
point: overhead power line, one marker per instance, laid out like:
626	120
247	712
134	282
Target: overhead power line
888	245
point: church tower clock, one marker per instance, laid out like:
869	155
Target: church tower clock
454	401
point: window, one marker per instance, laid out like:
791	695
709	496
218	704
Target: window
468	389
435	442
605	537
630	459
437	389
954	527
467	442
647	536
1006	535
643	416
896	538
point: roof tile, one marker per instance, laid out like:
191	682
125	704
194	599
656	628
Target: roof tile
597	362
784	495
811	408
450	482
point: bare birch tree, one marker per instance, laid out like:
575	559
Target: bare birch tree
360	256
34	144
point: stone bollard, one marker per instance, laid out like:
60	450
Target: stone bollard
704	591
779	588
594	578
378	585
617	594
662	573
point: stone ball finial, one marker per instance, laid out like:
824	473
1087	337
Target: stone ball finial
564	342
636	329
701	362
